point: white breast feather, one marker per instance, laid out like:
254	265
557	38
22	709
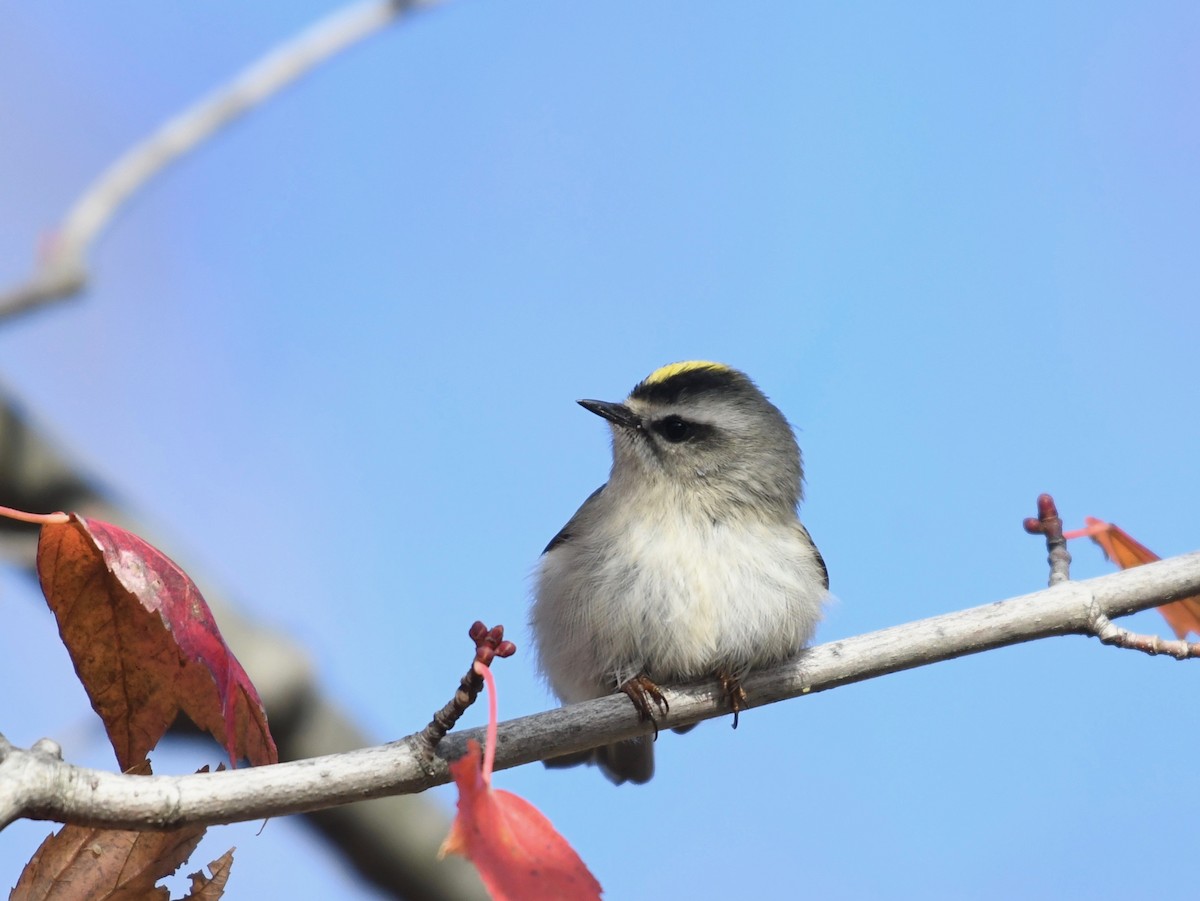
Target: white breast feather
676	597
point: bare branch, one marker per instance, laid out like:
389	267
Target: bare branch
489	644
36	784
62	270
1112	634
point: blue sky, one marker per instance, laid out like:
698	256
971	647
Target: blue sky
334	355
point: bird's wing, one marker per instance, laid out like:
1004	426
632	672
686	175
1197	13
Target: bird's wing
816	553
565	533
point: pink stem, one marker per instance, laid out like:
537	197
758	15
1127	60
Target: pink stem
489	751
41	519
1095	528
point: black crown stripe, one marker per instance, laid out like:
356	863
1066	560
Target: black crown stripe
687	383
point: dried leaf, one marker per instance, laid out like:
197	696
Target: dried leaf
210	888
519	854
144	643
1182	616
80	863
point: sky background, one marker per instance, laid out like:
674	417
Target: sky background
333	357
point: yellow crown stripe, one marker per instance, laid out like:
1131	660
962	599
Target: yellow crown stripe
673	369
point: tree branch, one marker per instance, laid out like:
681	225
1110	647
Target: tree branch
62	270
36	784
1111	634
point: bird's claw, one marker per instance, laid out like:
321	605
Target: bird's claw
731	688
641	691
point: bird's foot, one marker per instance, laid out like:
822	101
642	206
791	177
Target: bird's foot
731	688
641	691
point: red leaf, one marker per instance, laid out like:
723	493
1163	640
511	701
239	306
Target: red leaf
144	643
518	853
1182	616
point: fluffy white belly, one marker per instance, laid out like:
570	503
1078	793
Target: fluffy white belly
677	601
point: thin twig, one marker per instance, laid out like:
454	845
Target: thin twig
489	644
62	270
1049	524
1111	634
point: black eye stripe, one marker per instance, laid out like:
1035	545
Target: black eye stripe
676	429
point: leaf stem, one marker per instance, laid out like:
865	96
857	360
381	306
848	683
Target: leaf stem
489	750
1091	530
41	519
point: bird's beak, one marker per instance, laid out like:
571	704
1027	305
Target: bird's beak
618	414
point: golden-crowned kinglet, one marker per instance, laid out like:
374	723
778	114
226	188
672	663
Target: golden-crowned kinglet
689	563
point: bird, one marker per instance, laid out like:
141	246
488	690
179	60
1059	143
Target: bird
690	562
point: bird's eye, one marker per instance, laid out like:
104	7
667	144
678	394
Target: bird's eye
674	429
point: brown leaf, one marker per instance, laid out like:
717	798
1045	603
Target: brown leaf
1183	616
144	643
80	863
210	888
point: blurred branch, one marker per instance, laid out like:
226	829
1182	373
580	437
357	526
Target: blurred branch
36	784
391	842
62	270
